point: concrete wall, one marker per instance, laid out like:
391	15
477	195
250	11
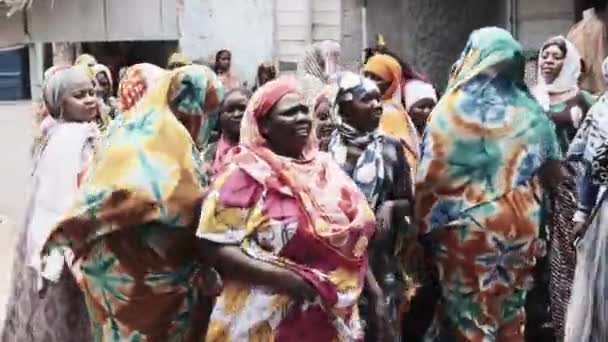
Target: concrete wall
540	19
246	27
12	30
352	45
430	34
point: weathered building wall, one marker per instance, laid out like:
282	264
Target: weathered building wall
246	27
540	19
432	33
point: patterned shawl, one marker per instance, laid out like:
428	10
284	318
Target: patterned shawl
590	143
343	226
565	86
487	135
317	67
368	173
395	121
147	169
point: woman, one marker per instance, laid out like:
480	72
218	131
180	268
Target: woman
86	60
104	88
317	67
559	69
266	73
178	60
223	66
287	229
376	164
131	226
325	122
232	109
420	99
488	154
395	121
589	37
57	313
566	105
587	309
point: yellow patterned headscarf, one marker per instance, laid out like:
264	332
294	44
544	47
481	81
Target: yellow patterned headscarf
147	168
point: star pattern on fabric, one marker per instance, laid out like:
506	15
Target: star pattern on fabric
505	256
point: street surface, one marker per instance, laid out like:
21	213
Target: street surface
15	141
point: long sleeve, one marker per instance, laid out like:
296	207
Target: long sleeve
587	195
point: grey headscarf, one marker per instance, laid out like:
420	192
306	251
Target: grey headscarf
59	84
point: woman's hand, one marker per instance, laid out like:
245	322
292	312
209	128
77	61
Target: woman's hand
233	263
579	230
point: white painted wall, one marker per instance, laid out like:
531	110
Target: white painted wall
246	27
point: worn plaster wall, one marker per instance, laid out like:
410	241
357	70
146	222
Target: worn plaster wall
246	27
432	33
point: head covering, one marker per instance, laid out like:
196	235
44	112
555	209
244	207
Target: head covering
353	86
269	68
178	60
387	68
58	85
86	60
368	173
589	37
331	232
395	121
589	144
566	81
320	60
138	79
147	169
314	181
100	68
487	135
416	90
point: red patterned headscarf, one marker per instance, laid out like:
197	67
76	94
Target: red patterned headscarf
135	84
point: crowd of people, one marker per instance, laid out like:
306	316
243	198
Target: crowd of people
330	205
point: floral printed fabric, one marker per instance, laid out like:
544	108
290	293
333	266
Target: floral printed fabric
477	190
130	226
305	215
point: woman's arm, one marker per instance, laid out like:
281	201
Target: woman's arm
232	262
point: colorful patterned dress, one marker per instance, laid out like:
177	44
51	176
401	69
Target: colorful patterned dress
304	215
132	224
478	194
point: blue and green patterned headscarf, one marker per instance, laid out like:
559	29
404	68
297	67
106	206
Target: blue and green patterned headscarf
487	135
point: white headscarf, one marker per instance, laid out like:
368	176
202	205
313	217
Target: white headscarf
566	81
59	83
416	90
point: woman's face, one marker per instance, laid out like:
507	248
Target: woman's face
364	114
382	84
419	112
104	85
80	103
551	63
325	124
288	126
232	115
265	76
224	60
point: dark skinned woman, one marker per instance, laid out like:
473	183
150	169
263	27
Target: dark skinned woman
232	109
288	230
566	105
376	164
